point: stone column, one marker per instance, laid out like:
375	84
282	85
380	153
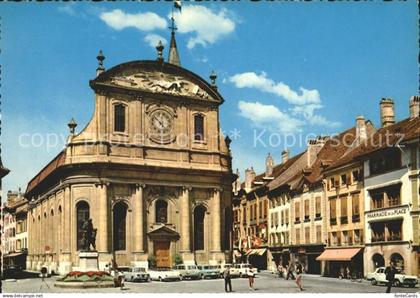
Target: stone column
138	219
103	212
216	223
185	220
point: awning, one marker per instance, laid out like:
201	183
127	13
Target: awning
256	251
14	254
344	254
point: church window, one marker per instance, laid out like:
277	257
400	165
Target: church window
119	233
161	212
119	118
198	127
82	215
199	214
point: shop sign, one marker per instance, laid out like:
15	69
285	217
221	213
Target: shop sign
387	213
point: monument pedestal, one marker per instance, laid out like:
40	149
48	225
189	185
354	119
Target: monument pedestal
88	261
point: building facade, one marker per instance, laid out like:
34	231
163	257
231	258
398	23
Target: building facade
15	238
151	169
392	193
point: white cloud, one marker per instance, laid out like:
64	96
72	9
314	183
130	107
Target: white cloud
208	25
67	9
308	112
269	116
118	20
262	83
153	39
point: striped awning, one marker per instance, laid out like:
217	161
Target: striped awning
256	251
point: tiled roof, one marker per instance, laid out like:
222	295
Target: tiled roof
389	136
47	170
292	167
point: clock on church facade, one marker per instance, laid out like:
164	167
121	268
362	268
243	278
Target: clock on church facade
151	169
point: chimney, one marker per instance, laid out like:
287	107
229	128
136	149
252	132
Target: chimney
361	133
269	164
314	146
284	156
249	177
414	106
387	112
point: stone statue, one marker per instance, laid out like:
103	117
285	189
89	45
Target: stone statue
89	235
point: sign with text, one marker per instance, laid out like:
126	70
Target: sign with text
388	212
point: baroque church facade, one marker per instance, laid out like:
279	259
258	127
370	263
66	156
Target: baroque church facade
151	169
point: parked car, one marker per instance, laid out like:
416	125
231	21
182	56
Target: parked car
379	277
188	271
222	268
137	274
241	270
209	271
164	274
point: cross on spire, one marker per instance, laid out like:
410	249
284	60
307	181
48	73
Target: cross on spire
173	27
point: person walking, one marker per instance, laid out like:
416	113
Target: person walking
251	274
228	281
390	272
280	271
299	271
290	271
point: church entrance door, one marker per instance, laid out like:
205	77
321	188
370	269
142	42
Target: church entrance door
162	254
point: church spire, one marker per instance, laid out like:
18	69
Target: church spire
173	51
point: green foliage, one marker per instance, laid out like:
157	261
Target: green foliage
152	261
177	259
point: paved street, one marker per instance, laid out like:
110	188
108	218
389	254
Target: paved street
264	283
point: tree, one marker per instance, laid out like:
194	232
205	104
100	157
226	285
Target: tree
177	259
151	261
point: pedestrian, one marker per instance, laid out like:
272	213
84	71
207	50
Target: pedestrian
348	273
251	274
290	271
299	271
390	272
228	281
280	270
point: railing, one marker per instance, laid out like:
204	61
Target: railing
333	221
355	218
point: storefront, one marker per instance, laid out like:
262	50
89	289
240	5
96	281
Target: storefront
257	257
338	260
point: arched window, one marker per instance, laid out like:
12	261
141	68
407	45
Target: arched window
199	214
378	260
398	260
119	231
161	212
119	118
198	127
82	215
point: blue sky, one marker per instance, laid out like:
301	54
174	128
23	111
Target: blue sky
283	68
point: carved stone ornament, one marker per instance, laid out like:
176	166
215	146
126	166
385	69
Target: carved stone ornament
161	83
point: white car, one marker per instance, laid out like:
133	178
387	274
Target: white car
241	270
137	274
379	277
188	271
164	274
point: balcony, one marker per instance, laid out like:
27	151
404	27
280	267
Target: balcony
378	239
333	221
394	238
344	220
307	218
297	220
318	216
355	218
